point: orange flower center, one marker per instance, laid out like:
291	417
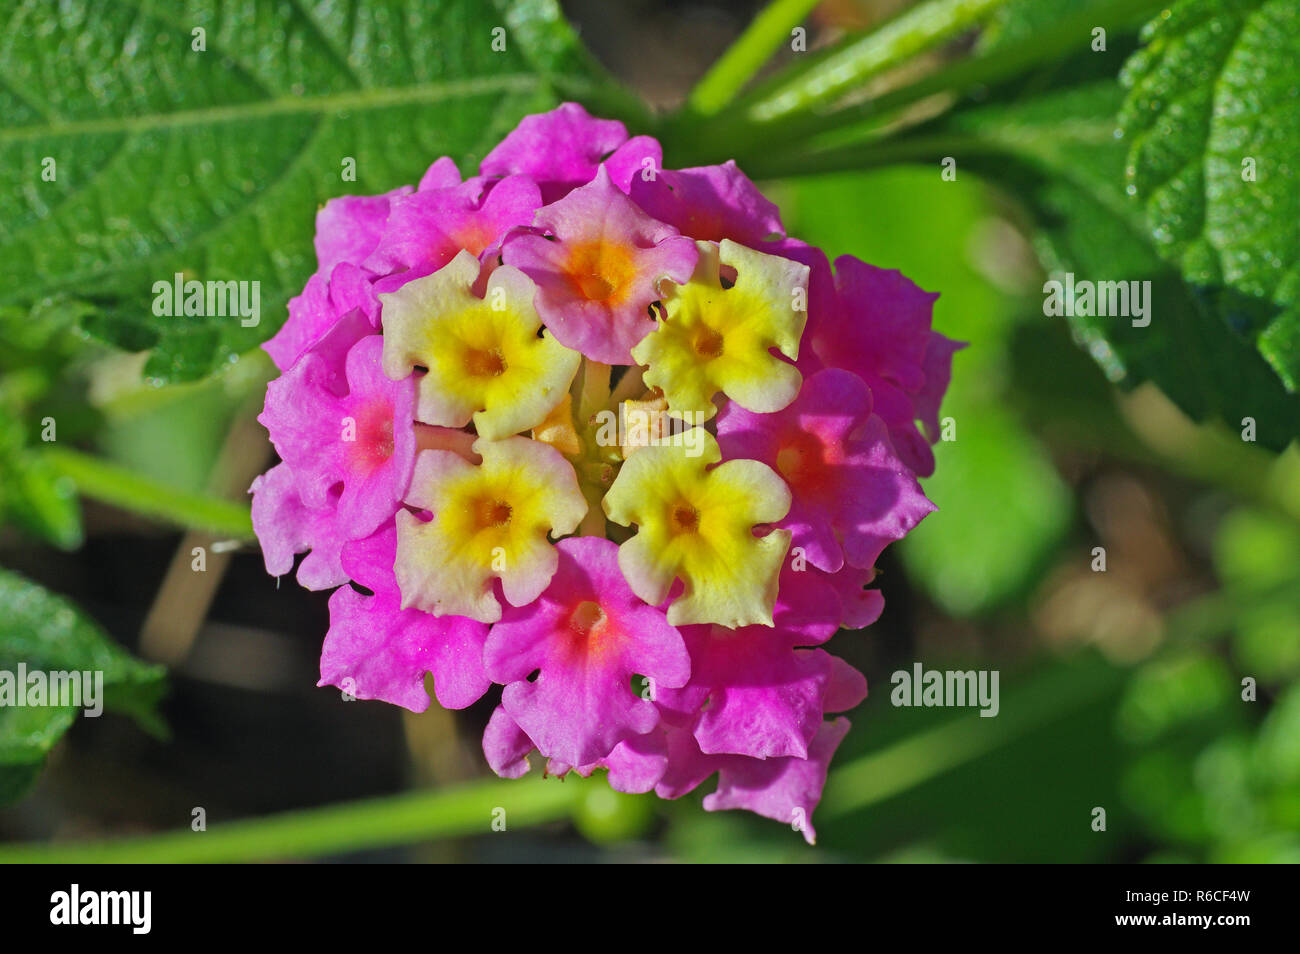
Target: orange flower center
480	363
601	271
489	512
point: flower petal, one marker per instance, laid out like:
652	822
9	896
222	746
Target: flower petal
851	495
506	746
585	637
710	203
484	358
349	227
376	650
598	268
286	526
697	525
427	229
786	790
712	339
490	521
558	150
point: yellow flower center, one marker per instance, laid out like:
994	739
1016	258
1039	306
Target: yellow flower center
731	337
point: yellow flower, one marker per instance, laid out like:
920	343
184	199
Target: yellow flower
484	358
711	338
490	520
697	524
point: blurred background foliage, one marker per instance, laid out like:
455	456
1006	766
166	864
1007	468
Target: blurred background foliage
1122	689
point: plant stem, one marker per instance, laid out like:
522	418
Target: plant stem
747	55
352	826
111	484
856	60
471	809
1011	59
816	81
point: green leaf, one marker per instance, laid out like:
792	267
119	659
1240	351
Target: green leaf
1213	125
213	162
1062	153
39	499
45	633
1023	21
34	495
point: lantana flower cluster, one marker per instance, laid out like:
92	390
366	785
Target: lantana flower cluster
602	434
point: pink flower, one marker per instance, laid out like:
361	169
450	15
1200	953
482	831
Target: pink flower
562	149
598	268
585	637
752	691
852	496
880	330
785	790
427	229
348	228
860	606
376	650
636	765
506	746
324	305
297	509
711	203
285	526
362	441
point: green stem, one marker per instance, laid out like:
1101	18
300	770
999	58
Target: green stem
471	809
111	484
854	61
809	85
1072	31
352	826
747	55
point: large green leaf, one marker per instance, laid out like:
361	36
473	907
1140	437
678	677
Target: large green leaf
39	403
1063	154
212	163
1213	126
45	633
